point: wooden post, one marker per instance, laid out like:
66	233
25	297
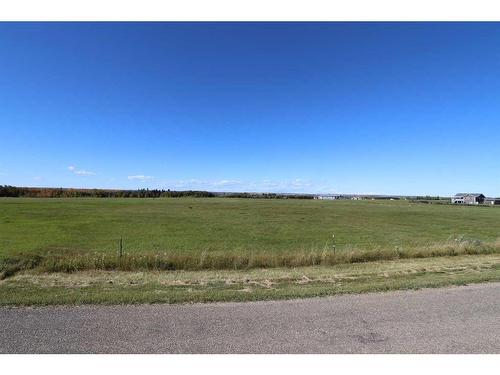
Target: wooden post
121	247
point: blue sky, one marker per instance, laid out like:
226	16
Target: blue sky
396	108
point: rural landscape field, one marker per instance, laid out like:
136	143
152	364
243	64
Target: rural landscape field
249	187
84	250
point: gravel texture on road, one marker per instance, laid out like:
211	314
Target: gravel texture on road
450	320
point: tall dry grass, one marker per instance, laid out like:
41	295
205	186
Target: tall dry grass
219	260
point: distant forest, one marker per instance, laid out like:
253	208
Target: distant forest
32	192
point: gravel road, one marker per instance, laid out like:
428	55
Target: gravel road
450	320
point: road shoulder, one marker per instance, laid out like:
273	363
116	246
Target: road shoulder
118	287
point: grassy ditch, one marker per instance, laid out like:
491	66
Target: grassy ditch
120	287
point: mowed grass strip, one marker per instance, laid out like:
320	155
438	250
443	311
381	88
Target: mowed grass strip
211	233
118	287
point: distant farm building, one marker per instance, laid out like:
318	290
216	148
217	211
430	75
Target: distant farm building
328	197
468	198
492	201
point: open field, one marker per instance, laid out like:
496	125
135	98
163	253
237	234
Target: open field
194	225
43	240
195	233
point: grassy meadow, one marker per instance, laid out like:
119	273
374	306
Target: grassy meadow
40	237
194	225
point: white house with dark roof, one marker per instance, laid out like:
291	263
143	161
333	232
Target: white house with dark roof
468	198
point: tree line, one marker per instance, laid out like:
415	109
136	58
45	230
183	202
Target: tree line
30	192
33	192
428	198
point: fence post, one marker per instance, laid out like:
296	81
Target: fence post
121	247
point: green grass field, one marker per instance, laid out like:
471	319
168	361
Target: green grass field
232	225
40	237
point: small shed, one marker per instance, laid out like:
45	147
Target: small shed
492	201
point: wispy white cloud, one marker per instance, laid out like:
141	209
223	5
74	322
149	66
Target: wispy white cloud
285	185
80	172
38	178
187	184
140	177
272	186
84	173
226	183
204	184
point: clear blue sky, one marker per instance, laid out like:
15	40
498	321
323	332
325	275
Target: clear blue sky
300	107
